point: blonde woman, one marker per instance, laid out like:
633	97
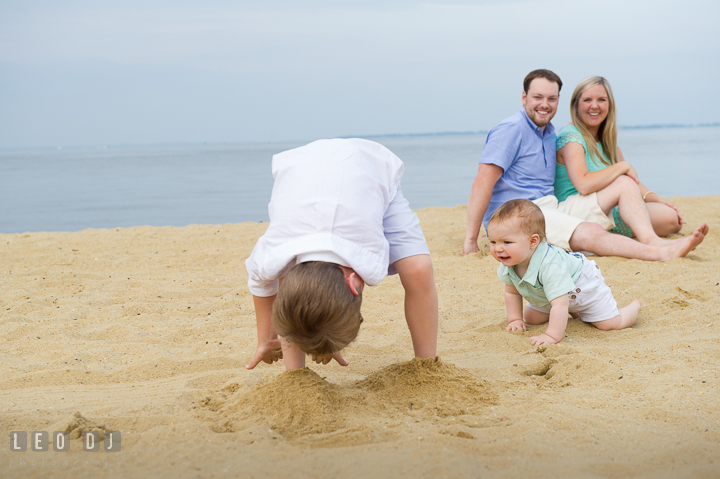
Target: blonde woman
589	161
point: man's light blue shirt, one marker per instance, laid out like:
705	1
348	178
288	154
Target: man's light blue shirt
527	156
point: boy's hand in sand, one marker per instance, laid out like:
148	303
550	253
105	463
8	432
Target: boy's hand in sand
516	325
326	358
267	352
542	339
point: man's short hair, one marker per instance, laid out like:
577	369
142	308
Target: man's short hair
316	310
530	218
546	74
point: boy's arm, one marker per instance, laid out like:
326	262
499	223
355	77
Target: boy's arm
558	322
514	304
268	348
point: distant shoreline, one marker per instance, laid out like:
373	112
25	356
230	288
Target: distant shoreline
300	141
482	132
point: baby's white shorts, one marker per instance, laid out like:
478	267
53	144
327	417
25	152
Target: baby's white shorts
591	298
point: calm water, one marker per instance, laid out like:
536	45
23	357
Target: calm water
71	189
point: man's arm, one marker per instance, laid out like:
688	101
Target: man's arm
478	202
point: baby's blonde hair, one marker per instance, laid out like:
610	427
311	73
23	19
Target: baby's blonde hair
530	218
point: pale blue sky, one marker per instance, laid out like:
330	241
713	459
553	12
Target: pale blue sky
109	72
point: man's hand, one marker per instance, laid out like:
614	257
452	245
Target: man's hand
470	246
542	339
267	352
516	325
326	358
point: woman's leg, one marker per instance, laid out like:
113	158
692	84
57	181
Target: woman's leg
664	219
625	193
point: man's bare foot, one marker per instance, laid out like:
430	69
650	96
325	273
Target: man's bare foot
683	246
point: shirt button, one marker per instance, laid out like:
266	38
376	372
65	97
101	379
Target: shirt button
577	290
573	296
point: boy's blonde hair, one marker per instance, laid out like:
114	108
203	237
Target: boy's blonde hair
316	310
530	218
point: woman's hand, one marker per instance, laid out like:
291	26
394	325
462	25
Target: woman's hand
670	205
630	171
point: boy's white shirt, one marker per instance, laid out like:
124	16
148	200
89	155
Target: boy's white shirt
328	203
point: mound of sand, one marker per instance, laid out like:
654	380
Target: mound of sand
427	385
295	403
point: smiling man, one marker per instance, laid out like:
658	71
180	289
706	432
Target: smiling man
519	156
519	162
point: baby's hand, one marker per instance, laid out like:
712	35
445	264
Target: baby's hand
542	339
516	325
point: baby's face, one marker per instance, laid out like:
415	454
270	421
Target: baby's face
509	244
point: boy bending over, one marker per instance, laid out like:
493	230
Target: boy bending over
338	221
553	281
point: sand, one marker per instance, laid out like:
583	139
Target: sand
147	330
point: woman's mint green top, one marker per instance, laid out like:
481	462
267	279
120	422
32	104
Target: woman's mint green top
563	185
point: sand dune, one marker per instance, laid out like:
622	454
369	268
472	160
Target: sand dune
146	331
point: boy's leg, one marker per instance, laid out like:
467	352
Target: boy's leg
410	257
625	319
293	356
421	303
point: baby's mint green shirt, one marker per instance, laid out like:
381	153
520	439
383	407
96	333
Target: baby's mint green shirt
552	272
563	185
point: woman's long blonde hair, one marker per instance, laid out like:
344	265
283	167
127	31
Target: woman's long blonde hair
608	128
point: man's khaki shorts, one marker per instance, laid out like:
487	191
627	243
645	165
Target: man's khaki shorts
562	218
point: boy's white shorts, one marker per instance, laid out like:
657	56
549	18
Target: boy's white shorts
591	298
402	230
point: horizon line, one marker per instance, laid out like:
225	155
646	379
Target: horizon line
379	135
